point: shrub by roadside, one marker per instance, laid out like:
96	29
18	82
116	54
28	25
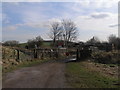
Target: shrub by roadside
112	57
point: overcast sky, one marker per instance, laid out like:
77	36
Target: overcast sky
25	20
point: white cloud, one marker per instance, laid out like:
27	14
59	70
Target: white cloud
114	25
26	1
54	20
32	16
90	23
42	24
39	24
62	1
98	3
22	37
10	28
100	15
100	27
97	22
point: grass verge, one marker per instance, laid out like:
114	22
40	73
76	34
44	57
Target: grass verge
78	76
29	63
23	64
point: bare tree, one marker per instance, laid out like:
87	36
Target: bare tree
55	32
70	31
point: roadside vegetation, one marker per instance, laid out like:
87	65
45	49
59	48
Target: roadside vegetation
112	57
90	75
22	65
99	71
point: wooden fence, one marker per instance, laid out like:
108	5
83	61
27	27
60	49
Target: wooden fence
24	54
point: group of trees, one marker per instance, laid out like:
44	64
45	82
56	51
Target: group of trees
65	31
31	43
34	43
115	41
58	35
93	40
11	43
112	39
60	32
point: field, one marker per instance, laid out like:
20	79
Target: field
44	44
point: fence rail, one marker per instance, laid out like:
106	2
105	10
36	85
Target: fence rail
25	54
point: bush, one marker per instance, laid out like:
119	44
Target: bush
35	43
106	57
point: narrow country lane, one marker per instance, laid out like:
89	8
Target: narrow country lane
47	75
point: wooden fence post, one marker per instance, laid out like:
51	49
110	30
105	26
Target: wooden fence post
77	55
35	53
56	53
3	54
50	54
42	53
14	54
18	55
